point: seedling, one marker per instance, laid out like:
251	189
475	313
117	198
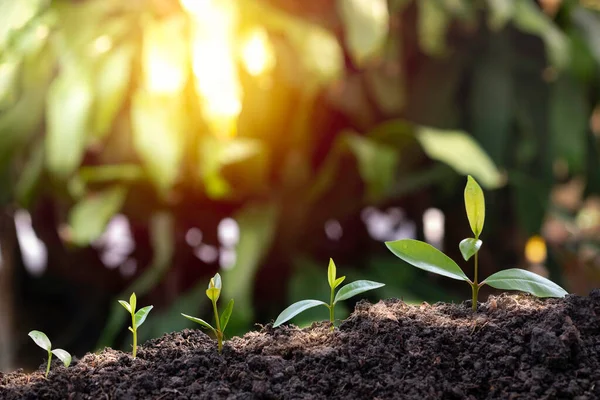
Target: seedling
42	340
424	256
346	292
213	292
137	318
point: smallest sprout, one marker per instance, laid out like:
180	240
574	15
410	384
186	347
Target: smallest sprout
42	340
137	318
213	292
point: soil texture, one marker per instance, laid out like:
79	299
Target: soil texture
514	347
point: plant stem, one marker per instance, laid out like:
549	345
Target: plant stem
134	332
475	286
218	324
49	360
331	309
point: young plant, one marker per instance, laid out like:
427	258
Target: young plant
347	291
42	340
213	292
427	257
137	318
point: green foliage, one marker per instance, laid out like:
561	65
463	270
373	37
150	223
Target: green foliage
213	293
137	317
428	258
346	292
42	340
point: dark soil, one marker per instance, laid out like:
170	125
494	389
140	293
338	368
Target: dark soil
515	347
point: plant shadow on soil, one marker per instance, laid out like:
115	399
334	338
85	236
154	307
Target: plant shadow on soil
514	347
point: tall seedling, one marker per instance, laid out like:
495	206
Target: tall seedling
424	256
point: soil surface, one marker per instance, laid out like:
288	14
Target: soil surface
514	347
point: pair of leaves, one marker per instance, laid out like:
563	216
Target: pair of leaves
42	340
223	321
139	316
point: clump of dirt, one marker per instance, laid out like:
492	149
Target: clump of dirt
514	347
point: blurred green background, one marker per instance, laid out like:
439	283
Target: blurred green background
147	144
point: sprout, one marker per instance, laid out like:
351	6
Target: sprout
424	256
346	292
137	318
213	292
42	340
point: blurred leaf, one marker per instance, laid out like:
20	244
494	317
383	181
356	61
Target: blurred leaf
589	26
569	115
530	18
107	173
111	84
461	152
366	24
424	256
524	281
377	164
257	223
500	12
158	136
433	23
9	83
89	217
30	176
69	105
386	81
16	14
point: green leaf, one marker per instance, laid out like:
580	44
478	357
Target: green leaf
433	22
158	137
125	305
366	25
424	256
201	322
461	152
377	164
41	340
331	272
63	356
69	103
296	309
475	206
89	217
468	247
500	12
338	281
226	315
530	18
141	315
111	84
524	281
354	288
133	301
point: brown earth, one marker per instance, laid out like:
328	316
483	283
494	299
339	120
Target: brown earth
514	347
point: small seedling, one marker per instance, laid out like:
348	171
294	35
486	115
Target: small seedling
424	256
346	292
42	340
137	318
213	292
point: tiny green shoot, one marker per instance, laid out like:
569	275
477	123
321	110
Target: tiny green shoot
346	292
137	318
424	256
42	340
213	292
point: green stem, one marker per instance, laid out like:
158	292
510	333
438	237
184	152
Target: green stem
475	285
331	309
49	360
134	332
218	324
